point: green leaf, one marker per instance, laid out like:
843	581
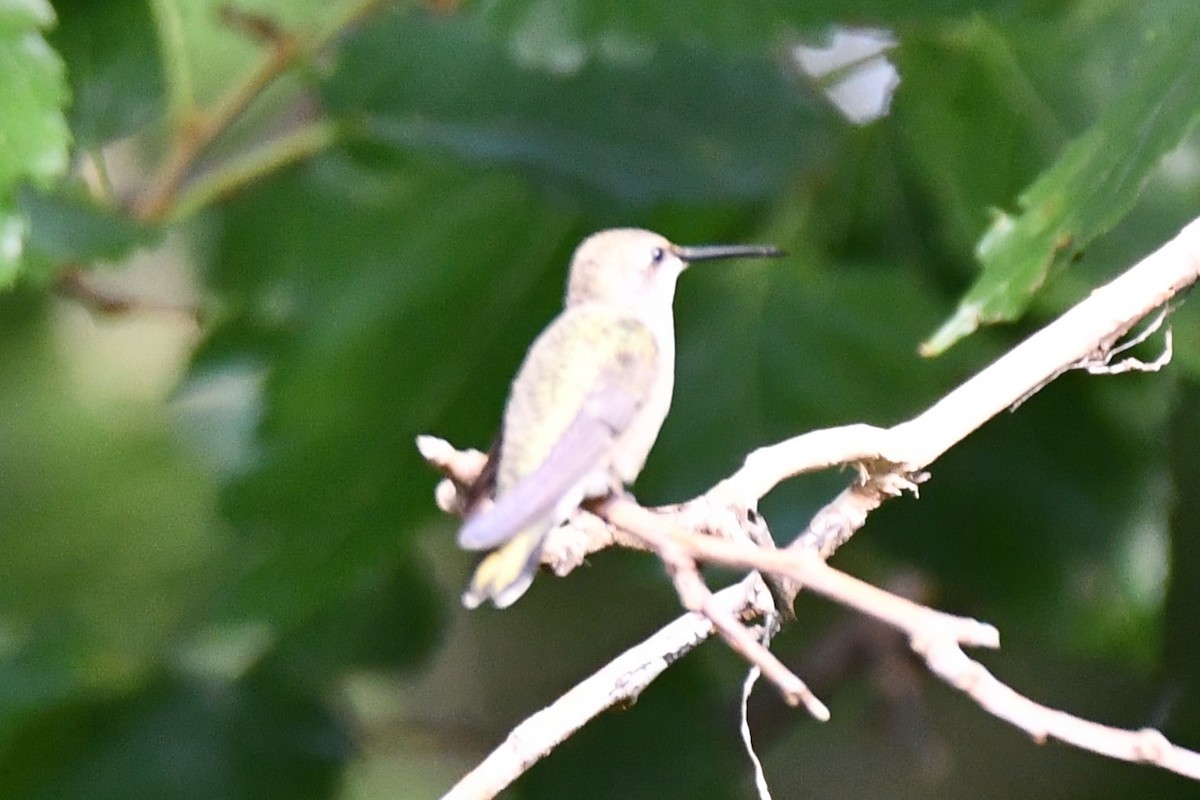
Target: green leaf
68	228
34	137
975	130
1093	184
670	121
111	53
549	32
391	620
16	15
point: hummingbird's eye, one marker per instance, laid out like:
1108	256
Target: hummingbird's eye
657	255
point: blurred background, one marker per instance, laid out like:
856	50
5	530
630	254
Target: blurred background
249	251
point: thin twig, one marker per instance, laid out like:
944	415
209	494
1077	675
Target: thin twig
1147	746
807	568
664	535
172	43
244	168
73	283
617	683
698	598
198	130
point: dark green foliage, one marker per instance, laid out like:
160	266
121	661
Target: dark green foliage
222	572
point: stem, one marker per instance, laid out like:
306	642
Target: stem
181	97
194	137
103	186
243	169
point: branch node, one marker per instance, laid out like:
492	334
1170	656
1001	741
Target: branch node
1151	746
954	666
252	25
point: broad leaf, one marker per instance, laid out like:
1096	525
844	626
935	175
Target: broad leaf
1094	182
673	122
33	93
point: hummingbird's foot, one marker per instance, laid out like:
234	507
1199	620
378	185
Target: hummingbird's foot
568	546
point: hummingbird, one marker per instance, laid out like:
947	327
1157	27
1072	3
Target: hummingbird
587	403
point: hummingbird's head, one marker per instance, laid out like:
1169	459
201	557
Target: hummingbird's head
636	268
624	266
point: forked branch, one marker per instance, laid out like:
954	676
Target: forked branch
890	461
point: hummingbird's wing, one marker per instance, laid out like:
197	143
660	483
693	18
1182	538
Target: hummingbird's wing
622	366
580	448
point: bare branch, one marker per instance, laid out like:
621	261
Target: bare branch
1085	333
664	535
699	599
814	574
938	638
74	283
198	130
946	660
890	461
617	683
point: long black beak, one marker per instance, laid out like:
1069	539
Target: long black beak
712	252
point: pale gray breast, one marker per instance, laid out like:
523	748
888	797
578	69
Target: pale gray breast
635	445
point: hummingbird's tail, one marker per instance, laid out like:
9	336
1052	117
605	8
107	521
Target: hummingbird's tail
505	573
